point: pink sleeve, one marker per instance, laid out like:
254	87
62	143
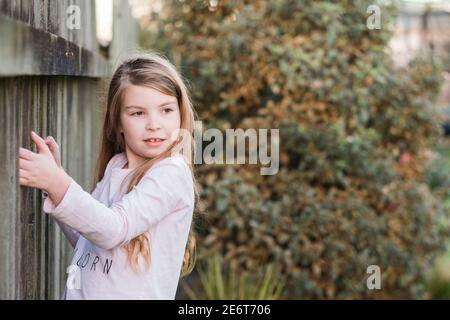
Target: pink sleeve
71	234
164	188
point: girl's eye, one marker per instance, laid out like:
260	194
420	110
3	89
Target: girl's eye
167	110
133	114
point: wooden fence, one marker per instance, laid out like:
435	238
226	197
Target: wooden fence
50	78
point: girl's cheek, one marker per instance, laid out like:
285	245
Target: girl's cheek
134	120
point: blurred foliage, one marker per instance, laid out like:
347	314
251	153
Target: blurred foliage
438	284
221	281
355	140
438	174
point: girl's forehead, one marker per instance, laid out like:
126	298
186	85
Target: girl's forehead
145	96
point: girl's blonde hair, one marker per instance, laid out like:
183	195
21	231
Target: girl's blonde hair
153	71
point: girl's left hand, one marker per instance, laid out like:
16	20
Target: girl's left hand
38	170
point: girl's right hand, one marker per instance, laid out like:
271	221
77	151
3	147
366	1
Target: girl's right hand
54	148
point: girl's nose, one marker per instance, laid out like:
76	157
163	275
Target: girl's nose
152	124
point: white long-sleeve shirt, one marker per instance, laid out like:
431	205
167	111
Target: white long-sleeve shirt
98	224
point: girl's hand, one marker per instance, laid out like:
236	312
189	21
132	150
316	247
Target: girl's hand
39	170
54	149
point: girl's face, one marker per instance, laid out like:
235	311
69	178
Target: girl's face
147	113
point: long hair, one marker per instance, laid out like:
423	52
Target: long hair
156	72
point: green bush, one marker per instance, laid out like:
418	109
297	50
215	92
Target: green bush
355	138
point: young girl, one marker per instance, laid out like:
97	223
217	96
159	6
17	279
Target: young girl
133	243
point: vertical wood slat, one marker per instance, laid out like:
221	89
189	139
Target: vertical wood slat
9	199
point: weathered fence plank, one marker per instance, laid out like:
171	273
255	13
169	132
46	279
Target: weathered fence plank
44	53
51	16
51	79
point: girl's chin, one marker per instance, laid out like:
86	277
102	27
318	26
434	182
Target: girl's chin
153	152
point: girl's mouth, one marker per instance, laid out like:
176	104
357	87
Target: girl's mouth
154	142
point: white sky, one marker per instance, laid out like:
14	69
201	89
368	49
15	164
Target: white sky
103	12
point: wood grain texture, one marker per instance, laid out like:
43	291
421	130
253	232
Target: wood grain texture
51	81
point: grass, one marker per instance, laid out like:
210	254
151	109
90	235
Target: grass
219	281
